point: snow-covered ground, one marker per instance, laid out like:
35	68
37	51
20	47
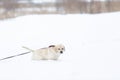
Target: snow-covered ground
92	47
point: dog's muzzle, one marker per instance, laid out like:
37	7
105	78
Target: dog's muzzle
61	52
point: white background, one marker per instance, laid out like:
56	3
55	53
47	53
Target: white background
92	47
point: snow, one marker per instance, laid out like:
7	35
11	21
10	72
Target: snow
38	1
92	47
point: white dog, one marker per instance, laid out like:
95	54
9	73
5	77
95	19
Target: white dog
49	53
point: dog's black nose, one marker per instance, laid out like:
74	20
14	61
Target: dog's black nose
61	52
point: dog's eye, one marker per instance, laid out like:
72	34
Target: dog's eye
58	48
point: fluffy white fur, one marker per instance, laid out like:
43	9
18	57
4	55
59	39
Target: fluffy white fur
49	53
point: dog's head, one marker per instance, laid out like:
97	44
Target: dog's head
58	48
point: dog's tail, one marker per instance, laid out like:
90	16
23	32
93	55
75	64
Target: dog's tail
28	49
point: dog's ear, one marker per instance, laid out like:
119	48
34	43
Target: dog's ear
52	46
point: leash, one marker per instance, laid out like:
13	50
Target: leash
14	56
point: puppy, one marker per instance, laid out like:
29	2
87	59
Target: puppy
49	53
